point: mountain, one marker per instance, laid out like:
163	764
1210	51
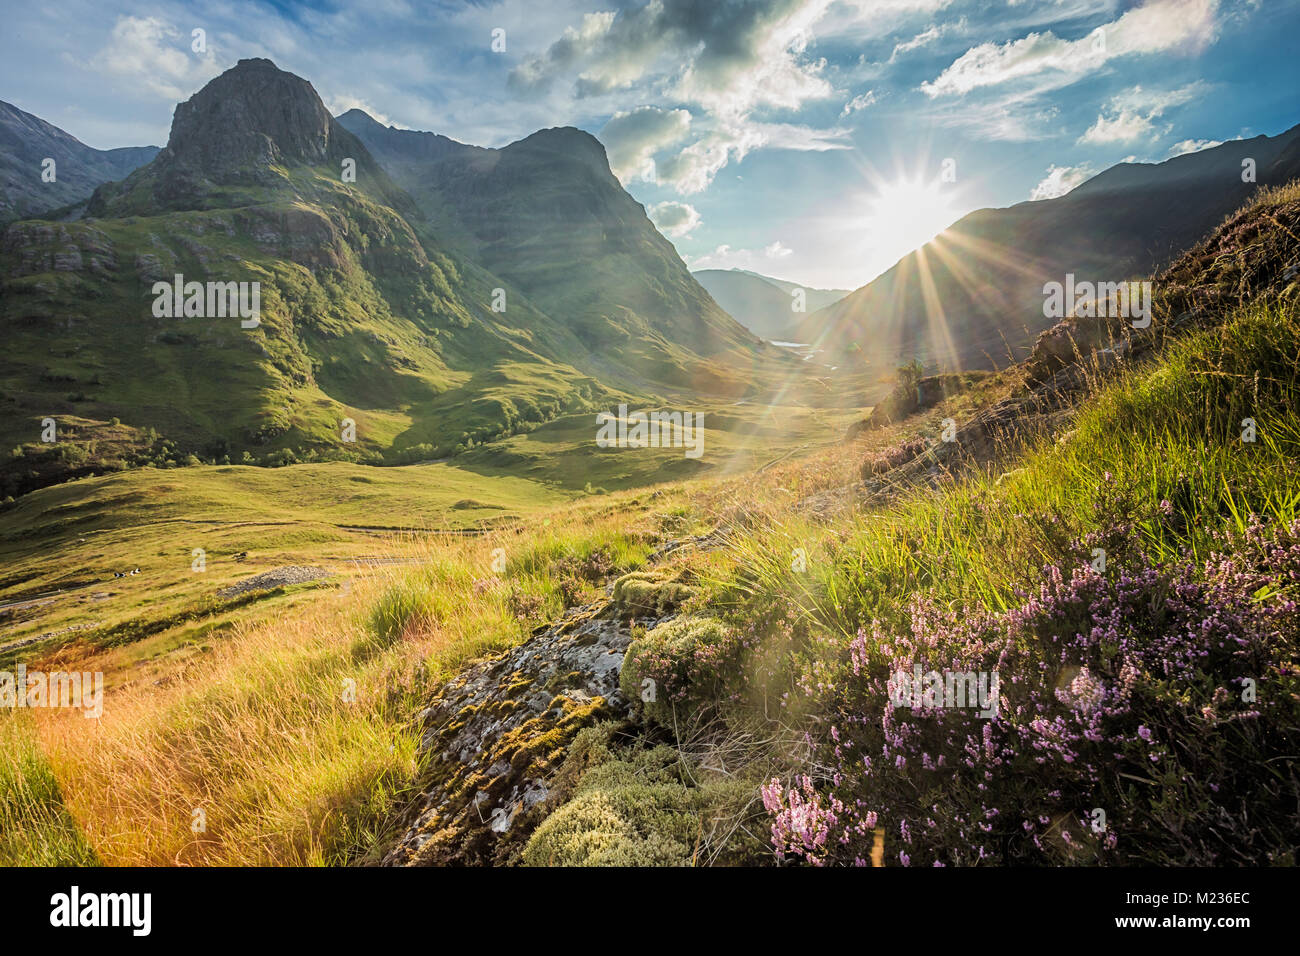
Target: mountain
548	215
973	296
361	317
26	141
511	287
762	304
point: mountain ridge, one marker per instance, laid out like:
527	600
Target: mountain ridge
26	141
546	213
763	304
972	296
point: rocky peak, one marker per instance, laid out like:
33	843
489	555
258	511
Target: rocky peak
243	129
254	114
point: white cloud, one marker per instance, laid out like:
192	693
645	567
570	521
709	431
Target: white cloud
1060	180
1155	27
1123	127
1185	146
859	102
726	61
692	169
674	218
725	257
1133	114
340	104
915	42
632	138
153	56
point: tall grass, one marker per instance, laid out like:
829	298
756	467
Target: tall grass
292	742
1170	434
35	827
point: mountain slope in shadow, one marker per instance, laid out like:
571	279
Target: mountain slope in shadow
973	296
27	141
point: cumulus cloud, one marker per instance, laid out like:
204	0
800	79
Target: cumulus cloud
1133	114
725	257
1155	27
1060	180
726	60
674	218
859	102
155	58
632	138
691	170
726	55
1184	146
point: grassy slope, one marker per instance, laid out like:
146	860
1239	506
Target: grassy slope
329	514
216	733
358	321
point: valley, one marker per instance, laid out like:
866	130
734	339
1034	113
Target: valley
414	503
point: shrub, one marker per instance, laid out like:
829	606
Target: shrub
1160	695
694	665
643	593
638	807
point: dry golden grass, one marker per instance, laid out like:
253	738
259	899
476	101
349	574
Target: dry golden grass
251	733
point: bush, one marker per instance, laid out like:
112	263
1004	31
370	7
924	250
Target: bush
1159	695
693	665
638	807
642	593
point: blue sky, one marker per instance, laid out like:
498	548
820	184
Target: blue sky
805	139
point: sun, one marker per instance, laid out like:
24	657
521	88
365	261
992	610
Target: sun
907	213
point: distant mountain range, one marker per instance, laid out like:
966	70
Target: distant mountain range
436	295
27	142
765	306
972	297
546	214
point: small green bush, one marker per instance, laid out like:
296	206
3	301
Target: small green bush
637	807
642	593
687	665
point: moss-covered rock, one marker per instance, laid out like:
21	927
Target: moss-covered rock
636	806
494	736
686	665
645	594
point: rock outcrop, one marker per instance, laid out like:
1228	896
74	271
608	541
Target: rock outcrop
496	733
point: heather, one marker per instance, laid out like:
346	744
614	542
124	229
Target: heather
1132	583
1144	718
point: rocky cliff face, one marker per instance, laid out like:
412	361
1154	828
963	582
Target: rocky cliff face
547	214
246	128
252	116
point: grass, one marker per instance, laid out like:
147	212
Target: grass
36	828
255	730
288	720
337	515
1168	433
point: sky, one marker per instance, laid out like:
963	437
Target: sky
812	140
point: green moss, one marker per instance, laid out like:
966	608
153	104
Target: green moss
635	807
685	665
644	593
